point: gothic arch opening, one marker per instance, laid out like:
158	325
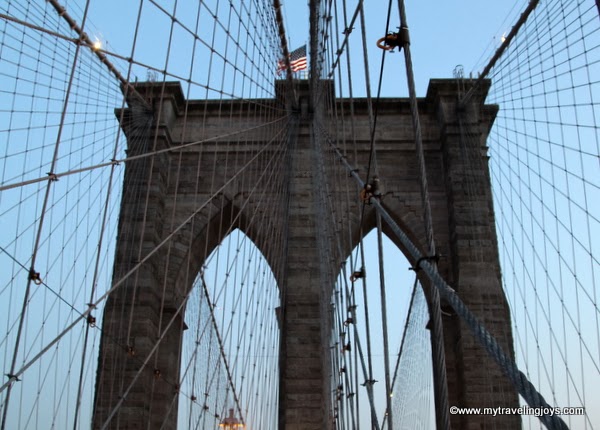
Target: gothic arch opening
229	351
357	312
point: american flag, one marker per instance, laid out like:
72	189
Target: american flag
297	61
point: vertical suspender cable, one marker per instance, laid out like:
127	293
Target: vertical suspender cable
127	90
315	67
386	357
401	349
437	334
373	158
41	223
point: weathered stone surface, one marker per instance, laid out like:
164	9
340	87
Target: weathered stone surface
463	222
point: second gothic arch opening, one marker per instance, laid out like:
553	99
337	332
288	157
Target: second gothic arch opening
358	312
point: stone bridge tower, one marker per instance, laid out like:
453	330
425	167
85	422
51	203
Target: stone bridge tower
463	221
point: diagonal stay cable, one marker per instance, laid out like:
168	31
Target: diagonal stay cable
105	215
347	32
40	227
260	180
508	366
211	307
56	176
117	284
38	28
233	223
41	282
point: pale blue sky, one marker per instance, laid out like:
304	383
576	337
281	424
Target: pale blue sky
444	33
